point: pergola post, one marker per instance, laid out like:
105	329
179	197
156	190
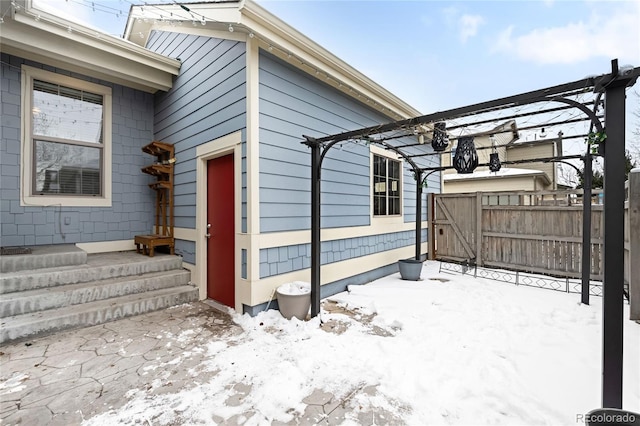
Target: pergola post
315	228
586	227
613	285
418	175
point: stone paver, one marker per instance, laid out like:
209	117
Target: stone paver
64	378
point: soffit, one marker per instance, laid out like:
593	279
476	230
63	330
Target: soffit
37	35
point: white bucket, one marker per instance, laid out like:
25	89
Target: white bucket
294	299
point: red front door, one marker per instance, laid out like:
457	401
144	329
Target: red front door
221	220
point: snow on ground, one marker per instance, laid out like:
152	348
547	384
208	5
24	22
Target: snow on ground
455	350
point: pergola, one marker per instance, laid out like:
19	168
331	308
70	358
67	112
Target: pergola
612	87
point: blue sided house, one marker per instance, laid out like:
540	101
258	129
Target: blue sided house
232	89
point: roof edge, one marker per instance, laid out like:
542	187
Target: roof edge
40	35
286	34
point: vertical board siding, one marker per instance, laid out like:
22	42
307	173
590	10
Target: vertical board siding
207	101
292	104
132	206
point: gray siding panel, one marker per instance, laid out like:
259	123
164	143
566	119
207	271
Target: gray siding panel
132	207
207	101
293	104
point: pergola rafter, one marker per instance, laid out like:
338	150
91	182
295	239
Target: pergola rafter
613	85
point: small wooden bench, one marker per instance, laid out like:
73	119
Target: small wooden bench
150	242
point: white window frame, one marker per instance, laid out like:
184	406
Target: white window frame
386	219
26	162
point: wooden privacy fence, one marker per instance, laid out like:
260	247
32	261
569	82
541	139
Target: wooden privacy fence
538	232
524	231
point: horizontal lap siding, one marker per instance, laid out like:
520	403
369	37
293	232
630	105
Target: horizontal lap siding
293	104
207	101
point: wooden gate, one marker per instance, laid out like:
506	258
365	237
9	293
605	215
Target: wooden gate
523	231
455	226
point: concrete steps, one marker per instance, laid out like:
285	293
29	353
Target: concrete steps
93	313
24	302
97	267
44	257
82	290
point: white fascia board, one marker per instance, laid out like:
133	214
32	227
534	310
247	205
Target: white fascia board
86	51
248	17
144	19
316	58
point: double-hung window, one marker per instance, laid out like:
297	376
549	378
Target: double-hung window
67	140
386	186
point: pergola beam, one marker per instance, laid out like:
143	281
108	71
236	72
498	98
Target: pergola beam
483	107
613	85
514	116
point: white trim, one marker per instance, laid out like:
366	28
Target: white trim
283	239
191	268
333	271
385	220
229	144
107	246
185	234
199	30
26	165
313	57
253	159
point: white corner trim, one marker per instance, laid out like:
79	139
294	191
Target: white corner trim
107	246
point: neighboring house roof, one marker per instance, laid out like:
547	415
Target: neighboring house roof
537	142
249	20
508	127
42	36
503	173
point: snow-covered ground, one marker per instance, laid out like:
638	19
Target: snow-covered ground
449	349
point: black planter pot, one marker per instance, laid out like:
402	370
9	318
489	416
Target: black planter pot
410	269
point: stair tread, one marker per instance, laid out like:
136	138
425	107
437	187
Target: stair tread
43	256
7	297
68	311
96	261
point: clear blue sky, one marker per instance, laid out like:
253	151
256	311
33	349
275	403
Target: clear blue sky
438	55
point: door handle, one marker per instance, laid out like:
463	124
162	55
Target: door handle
208	235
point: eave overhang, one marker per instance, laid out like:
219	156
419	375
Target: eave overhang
249	19
38	35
